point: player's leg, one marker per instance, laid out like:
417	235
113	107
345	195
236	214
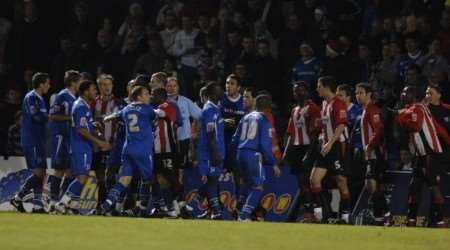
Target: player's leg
345	202
256	176
99	166
36	163
68	178
117	190
80	164
415	188
317	174
144	165
434	172
212	190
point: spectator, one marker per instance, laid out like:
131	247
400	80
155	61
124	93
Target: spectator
186	52
434	60
14	146
69	57
173	6
152	61
289	41
308	68
168	34
413	55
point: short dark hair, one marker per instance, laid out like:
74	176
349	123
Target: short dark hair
71	76
301	84
415	67
84	86
412	90
202	92
263	102
436	87
39	78
142	80
236	78
137	91
252	91
211	88
366	86
160	93
328	82
346	88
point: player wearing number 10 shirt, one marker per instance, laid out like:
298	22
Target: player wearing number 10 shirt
253	138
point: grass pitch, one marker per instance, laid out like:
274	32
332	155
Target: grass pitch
24	231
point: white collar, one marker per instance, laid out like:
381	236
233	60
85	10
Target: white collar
36	94
233	99
212	103
70	93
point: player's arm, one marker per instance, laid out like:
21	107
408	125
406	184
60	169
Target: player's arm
56	111
82	125
411	119
377	127
441	131
211	139
111	117
38	115
265	139
194	110
313	121
236	136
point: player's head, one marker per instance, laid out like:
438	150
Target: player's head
140	94
326	86
88	90
142	80
158	96
408	95
363	93
72	79
344	92
433	94
232	85
105	84
130	86
172	86
41	82
263	102
250	98
300	91
214	92
202	95
158	80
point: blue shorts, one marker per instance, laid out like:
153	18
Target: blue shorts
251	167
35	156
115	155
81	163
207	169
137	162
60	152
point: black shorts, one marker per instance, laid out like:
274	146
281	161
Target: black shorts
166	164
294	159
375	169
99	160
430	167
183	153
335	160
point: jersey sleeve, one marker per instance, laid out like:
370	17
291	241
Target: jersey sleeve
291	128
313	121
38	112
410	118
377	127
194	110
340	113
57	107
265	139
208	121
81	118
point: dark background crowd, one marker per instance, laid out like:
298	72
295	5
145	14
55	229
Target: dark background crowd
268	44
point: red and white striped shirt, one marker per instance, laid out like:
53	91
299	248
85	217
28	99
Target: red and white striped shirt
423	129
101	109
371	128
304	123
166	130
333	114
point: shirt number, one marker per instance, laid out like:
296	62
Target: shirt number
133	120
249	131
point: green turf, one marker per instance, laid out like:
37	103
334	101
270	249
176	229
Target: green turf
19	231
